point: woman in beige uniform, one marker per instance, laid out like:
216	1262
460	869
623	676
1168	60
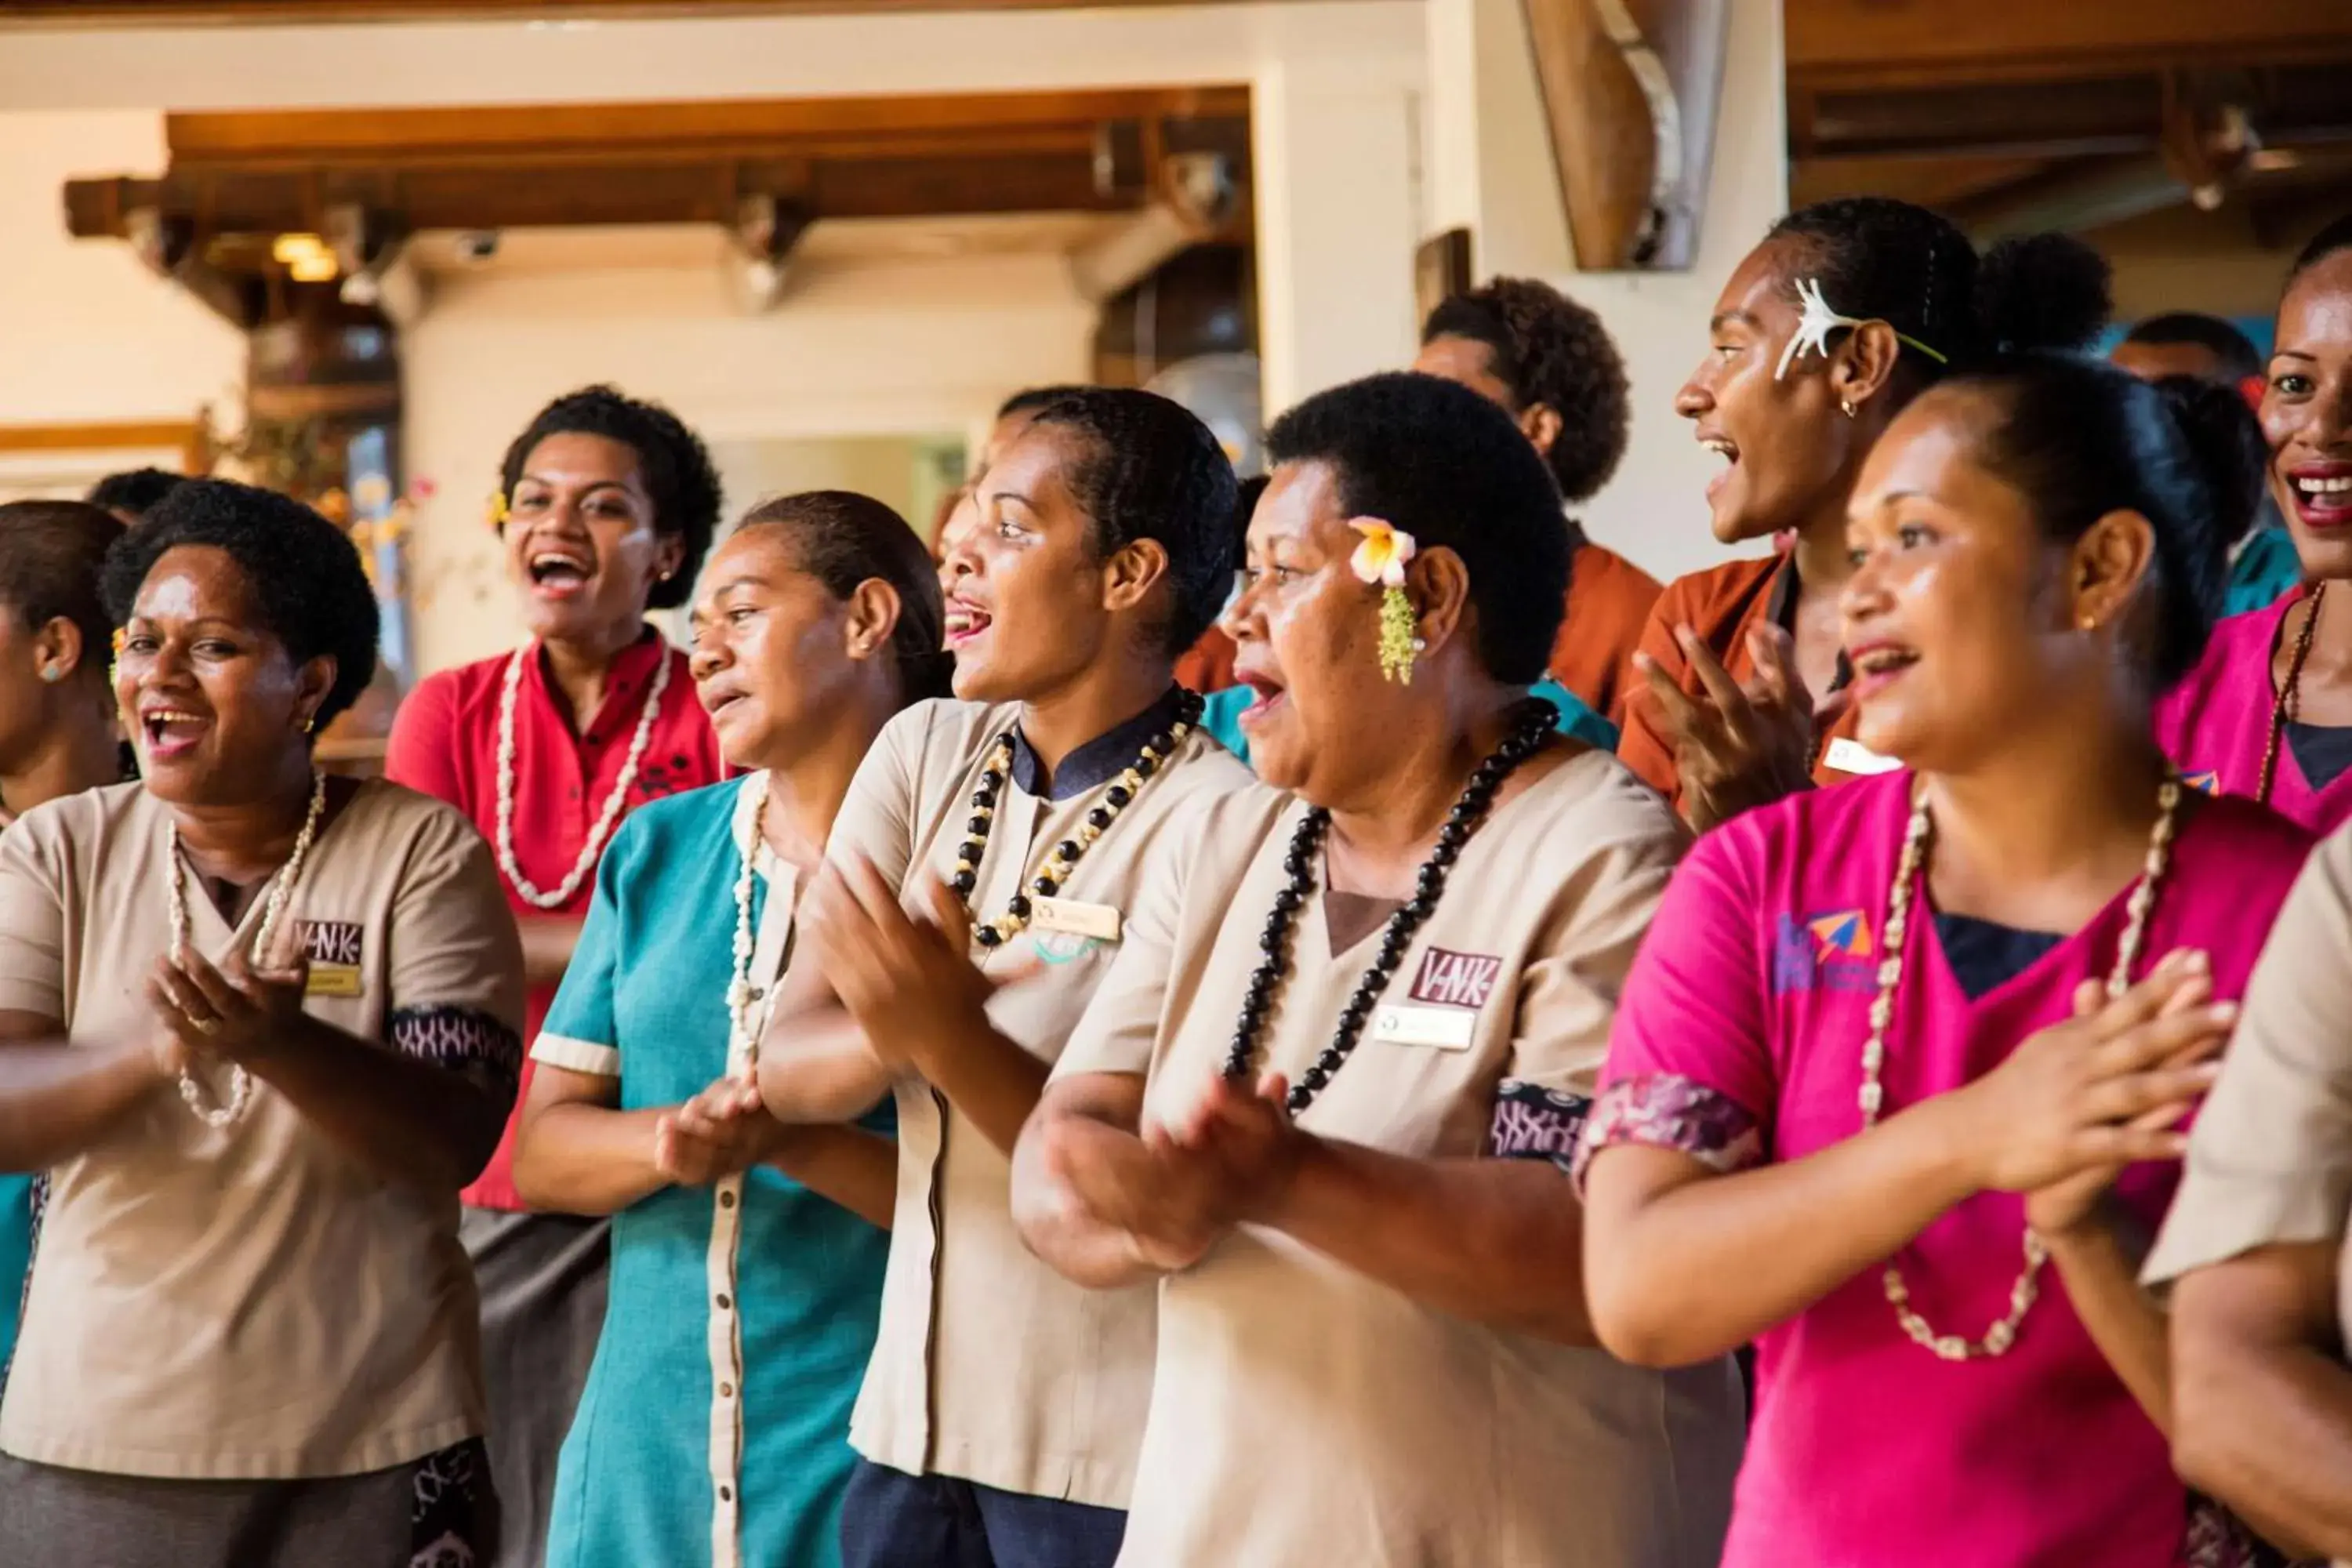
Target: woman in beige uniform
260	1026
1000	1414
1323	1092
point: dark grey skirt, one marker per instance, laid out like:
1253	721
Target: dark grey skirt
434	1512
541	1278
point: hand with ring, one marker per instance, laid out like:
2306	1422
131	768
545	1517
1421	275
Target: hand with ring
237	1015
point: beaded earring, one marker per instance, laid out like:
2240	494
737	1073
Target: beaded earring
1381	559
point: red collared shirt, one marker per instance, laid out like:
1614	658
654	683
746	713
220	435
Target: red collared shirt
444	741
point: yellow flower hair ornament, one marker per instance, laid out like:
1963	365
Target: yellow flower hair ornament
1381	559
498	509
114	665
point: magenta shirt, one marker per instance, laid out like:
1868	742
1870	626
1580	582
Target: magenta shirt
1739	1039
2216	723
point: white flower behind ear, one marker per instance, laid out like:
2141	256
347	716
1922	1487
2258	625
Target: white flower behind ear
1814	328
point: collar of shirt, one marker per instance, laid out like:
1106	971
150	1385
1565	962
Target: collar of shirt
1100	760
1781	608
617	713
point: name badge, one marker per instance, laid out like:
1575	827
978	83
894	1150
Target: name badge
1070	918
1445	1028
333	980
1848	755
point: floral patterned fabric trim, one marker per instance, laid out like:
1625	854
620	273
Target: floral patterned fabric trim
1532	1122
464	1041
1666	1111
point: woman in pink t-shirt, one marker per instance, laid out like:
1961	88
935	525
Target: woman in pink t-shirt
2268	711
1894	1086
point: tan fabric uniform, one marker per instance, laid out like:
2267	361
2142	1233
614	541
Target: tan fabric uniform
2269	1160
989	1366
250	1302
1305	1413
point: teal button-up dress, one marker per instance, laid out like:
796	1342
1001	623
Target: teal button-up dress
714	1427
1222	710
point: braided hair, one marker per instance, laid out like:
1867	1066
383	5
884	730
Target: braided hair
1152	471
677	467
1548	348
1877	258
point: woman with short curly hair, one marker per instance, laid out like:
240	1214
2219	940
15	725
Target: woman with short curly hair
260	1026
1552	365
605	506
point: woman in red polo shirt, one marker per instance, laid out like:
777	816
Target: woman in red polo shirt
605	506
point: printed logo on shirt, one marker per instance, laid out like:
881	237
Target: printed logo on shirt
1059	947
333	941
1827	952
1455	979
2209	781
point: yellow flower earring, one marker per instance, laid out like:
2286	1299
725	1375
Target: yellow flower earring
1381	559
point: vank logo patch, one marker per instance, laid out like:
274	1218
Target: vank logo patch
1832	950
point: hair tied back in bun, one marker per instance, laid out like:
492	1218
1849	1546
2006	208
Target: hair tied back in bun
2042	291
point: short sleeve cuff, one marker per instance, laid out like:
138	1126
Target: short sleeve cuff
576	1056
2217	1217
1667	1111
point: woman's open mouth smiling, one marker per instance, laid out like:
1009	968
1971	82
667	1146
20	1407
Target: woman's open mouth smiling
171	732
964	622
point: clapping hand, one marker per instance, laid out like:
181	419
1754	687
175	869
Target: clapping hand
722	1132
235	1016
910	982
1739	744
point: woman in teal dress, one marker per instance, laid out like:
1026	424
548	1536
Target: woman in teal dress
745	1285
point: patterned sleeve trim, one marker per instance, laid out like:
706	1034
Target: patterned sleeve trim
462	1039
1666	1111
576	1056
1532	1122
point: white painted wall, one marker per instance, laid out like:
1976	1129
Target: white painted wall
88	335
900	347
1491	169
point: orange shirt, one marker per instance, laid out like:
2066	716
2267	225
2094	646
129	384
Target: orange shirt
1720	604
1609	600
1208	667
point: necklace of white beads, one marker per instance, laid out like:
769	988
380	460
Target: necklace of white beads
1917	839
240	1082
562	894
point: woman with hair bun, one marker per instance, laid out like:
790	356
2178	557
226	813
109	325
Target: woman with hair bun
1846	311
1896	1087
744	1303
2268	713
605	506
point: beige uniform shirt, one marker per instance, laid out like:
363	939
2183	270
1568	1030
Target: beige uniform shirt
2269	1160
251	1303
989	1366
1303	1412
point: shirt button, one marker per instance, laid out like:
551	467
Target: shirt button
726	1390
727	1200
725	1303
726	1494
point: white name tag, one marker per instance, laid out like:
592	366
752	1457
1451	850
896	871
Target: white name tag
1446	1028
1848	755
1071	918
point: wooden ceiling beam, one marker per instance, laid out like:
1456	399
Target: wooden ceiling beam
132	13
1829	40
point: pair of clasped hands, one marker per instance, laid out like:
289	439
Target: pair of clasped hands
908	984
234	1013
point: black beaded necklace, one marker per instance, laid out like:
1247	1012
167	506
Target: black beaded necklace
1531	730
1055	869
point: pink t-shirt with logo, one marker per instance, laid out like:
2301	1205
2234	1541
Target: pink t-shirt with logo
1739	1039
2216	724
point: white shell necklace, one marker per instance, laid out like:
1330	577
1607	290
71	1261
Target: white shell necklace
742	1037
581	868
240	1082
1917	840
